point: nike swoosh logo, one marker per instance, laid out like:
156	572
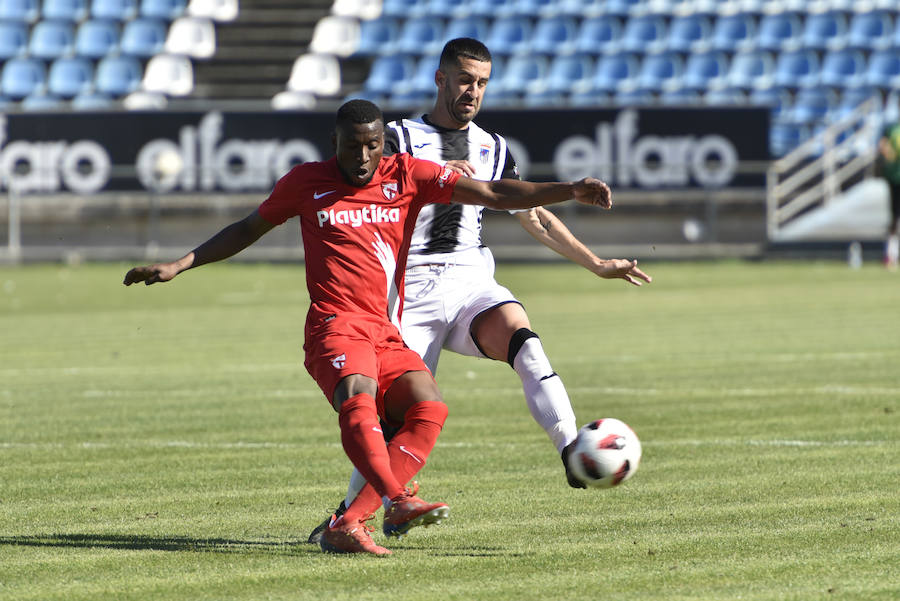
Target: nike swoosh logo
422	145
404	450
377	429
317	196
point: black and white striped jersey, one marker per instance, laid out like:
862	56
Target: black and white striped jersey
442	229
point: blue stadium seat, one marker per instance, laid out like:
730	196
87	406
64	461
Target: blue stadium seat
26	11
824	31
420	35
409	100
812	105
779	100
725	97
623	8
491	9
91	101
634	97
96	38
65	10
796	69
520	73
842	68
387	72
377	36
117	10
569	73
13	39
70	76
613	71
588	98
680	97
583	9
779	32
883	69
733	33
51	39
509	35
704	71
421	81
401	9
554	35
41	101
643	34
446	9
474	27
751	69
660	72
689	33
784	137
598	34
851	98
870	31
22	76
143	37
540	9
167	10
117	76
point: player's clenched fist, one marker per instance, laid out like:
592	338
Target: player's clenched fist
151	274
591	191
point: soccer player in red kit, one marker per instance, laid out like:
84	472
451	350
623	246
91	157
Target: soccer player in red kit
357	212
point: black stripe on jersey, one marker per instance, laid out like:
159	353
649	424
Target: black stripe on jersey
406	137
496	155
444	234
391	142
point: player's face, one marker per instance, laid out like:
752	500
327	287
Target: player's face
358	147
462	89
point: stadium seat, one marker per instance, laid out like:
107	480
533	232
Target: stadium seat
26	11
643	34
192	36
520	74
65	10
850	99
141	100
509	35
704	71
143	37
95	38
22	76
117	10
387	72
420	35
842	68
409	100
169	74
540	9
41	101
491	8
116	76
13	39
446	9
597	35
784	137
569	73
613	71
554	35
733	33
583	9
634	97
883	69
824	31
92	101
725	97
401	9
680	97
812	105
473	27
318	74
287	100
376	36
779	32
335	35
623	8
51	39
167	10
796	69
778	100
751	70
220	11
546	99
421	81
660	72
689	33
70	76
870	31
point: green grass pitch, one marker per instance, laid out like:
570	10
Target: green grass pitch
167	443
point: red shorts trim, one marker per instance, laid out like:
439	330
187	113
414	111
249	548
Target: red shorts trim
339	345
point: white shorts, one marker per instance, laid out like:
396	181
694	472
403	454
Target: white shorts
442	300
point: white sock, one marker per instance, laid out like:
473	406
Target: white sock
545	393
892	248
357	481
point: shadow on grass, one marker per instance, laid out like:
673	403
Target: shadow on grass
161	543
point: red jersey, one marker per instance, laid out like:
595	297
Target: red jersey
356	239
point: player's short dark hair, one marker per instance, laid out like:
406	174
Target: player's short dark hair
358	111
460	48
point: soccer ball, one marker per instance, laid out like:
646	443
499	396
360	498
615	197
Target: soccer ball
607	452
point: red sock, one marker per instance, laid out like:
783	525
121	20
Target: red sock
364	444
408	450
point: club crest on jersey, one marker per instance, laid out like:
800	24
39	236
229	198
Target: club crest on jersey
485	153
389	190
338	362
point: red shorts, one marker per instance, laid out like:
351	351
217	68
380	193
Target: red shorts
339	345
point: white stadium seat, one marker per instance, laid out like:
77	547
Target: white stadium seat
319	74
336	35
169	74
217	10
192	36
361	9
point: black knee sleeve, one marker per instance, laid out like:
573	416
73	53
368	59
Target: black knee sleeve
515	343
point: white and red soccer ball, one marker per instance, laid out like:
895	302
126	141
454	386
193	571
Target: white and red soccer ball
607	452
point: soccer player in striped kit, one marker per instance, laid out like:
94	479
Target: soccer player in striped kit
452	300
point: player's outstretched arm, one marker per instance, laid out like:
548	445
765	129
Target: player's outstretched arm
228	242
550	231
506	194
